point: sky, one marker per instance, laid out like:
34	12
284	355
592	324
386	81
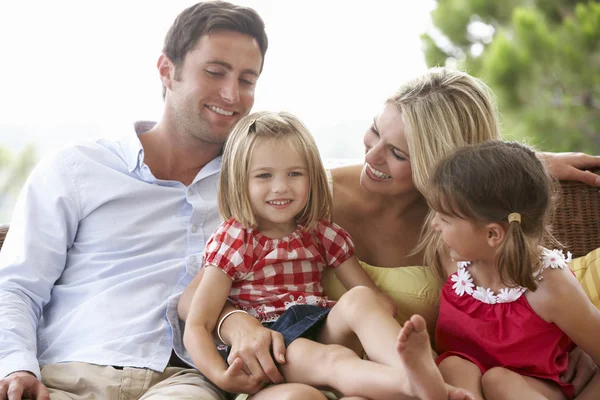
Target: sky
73	69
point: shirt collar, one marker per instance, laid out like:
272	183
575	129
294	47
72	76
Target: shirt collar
134	152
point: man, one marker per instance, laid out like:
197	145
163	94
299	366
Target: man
106	235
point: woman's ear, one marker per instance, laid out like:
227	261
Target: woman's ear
496	233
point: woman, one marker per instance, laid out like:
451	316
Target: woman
381	204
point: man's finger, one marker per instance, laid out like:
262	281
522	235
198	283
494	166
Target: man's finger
42	393
15	391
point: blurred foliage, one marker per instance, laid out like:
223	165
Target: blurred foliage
541	58
14	170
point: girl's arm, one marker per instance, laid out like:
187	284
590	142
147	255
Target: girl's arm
351	274
204	311
185	301
560	294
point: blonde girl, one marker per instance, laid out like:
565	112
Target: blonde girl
510	310
267	259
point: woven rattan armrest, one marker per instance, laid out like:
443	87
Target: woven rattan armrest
576	223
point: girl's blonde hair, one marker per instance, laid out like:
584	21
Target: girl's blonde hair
485	183
443	110
233	193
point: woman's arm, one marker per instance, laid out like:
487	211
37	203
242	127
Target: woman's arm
205	308
572	166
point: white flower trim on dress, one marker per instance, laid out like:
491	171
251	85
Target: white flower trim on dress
463	282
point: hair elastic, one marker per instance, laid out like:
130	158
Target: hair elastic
514	217
221	323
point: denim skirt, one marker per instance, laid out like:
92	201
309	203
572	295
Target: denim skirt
300	321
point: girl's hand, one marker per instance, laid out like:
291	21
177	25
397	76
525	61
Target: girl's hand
235	380
256	346
581	370
572	166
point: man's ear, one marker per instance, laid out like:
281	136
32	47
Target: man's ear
496	233
166	70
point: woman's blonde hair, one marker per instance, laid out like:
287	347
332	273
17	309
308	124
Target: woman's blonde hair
233	193
443	110
484	184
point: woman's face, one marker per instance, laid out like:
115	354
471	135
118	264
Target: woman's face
387	167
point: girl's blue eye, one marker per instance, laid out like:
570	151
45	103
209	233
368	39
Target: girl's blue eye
263	176
295	174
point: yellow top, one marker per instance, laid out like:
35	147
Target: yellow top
416	290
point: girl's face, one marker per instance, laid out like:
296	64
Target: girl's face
278	186
387	167
465	241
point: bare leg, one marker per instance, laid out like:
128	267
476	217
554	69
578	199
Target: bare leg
289	391
415	352
360	315
337	367
463	374
592	390
500	383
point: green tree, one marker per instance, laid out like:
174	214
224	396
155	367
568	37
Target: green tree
541	58
14	169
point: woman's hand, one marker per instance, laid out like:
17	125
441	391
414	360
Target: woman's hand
571	166
581	370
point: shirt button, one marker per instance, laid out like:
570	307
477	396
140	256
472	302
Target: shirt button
193	259
194	228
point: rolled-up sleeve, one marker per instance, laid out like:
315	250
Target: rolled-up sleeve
43	227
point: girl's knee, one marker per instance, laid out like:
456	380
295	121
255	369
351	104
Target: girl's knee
358	296
336	354
452	363
289	391
494	379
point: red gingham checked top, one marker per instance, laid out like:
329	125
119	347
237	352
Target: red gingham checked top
270	275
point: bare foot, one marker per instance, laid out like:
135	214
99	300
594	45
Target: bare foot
455	393
415	351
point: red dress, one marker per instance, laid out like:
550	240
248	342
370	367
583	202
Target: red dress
501	330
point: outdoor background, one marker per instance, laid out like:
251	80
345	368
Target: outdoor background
75	69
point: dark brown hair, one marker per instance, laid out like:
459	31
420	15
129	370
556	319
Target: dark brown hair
485	183
208	17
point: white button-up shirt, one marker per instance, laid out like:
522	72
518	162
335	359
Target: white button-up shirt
97	255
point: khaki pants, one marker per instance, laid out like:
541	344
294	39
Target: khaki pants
81	381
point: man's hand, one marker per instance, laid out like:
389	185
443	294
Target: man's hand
23	384
252	343
581	370
571	166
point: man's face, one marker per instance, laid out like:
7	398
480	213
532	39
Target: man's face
214	87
